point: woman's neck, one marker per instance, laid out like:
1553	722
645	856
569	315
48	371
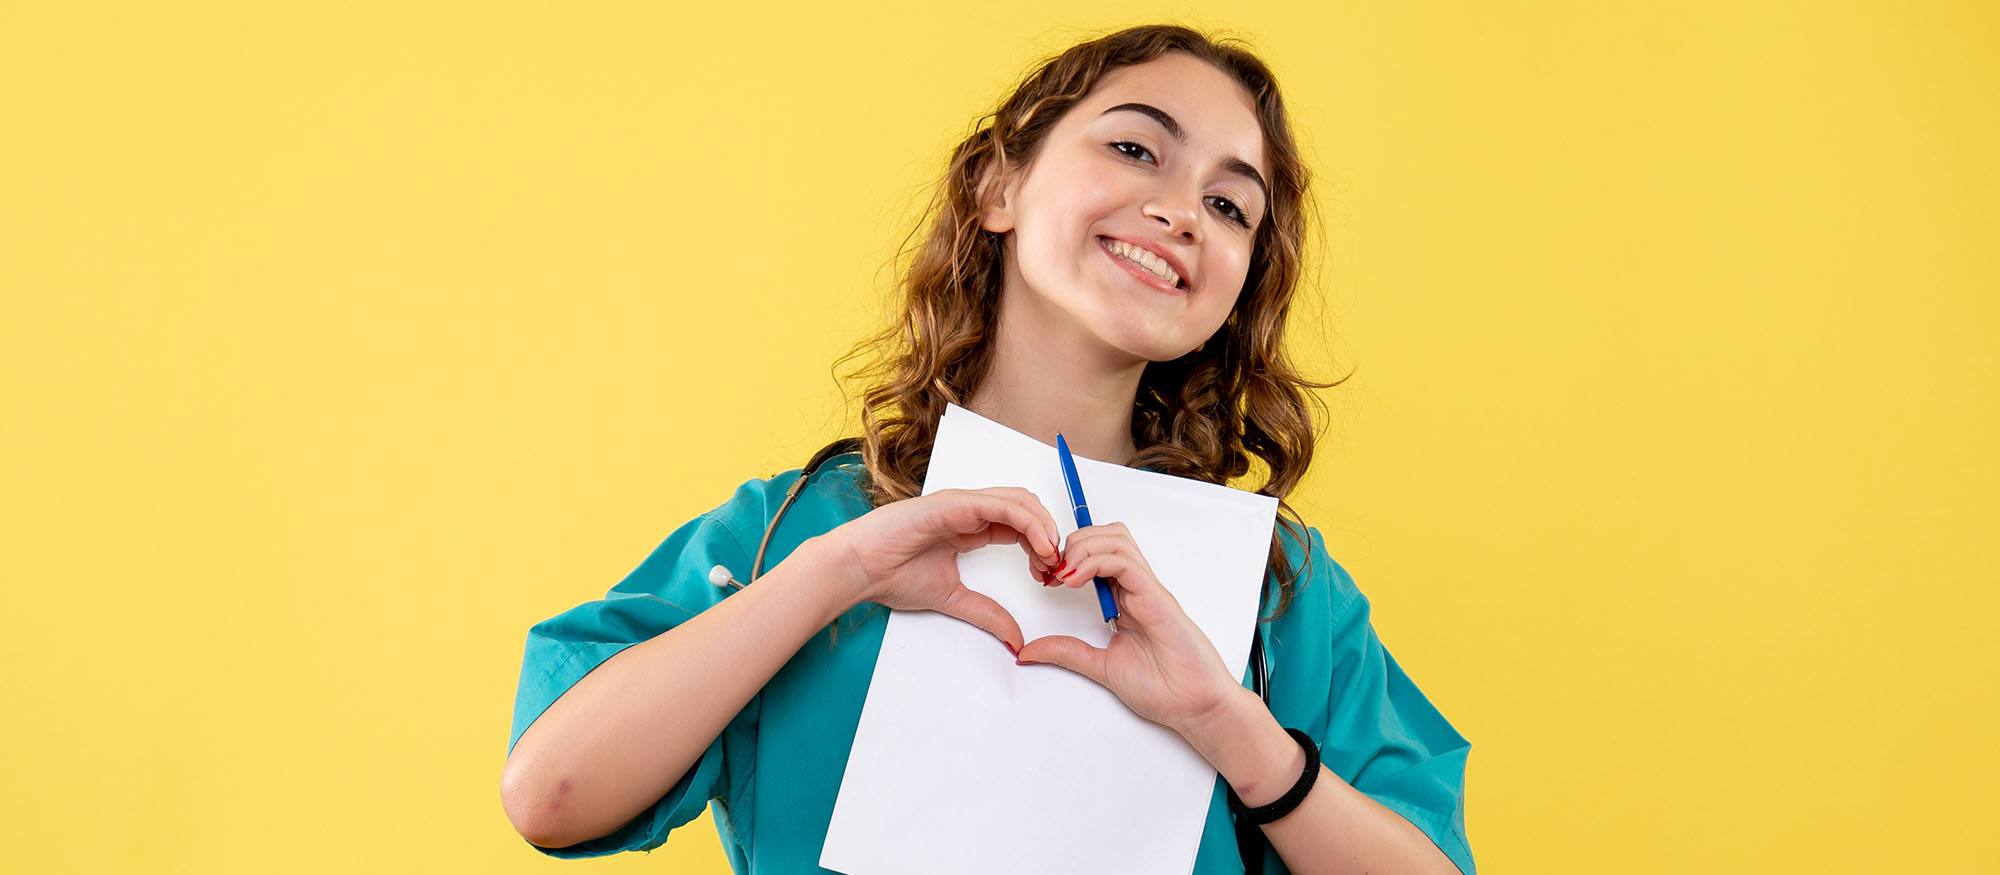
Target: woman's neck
1048	375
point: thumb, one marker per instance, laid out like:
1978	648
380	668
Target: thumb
981	610
1068	652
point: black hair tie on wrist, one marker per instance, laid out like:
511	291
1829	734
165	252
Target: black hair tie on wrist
1292	798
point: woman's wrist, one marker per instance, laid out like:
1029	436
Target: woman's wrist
1247	746
832	571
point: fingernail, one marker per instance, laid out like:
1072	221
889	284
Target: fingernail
1026	662
1010	649
1060	566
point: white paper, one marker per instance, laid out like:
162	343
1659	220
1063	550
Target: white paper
967	763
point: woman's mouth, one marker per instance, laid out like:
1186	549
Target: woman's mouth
1142	265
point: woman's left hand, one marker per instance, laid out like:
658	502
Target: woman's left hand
1158	662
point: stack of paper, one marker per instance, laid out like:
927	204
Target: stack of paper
967	763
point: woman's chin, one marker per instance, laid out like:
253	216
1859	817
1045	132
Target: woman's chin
1149	350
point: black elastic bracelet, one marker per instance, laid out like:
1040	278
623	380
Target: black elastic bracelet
1292	797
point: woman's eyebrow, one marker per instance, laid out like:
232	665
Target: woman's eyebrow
1233	163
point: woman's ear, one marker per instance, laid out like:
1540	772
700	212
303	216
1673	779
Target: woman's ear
995	196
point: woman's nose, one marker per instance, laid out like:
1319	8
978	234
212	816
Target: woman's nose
1178	212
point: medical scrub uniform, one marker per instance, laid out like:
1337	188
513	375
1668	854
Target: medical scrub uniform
773	774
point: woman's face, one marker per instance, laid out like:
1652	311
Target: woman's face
1137	217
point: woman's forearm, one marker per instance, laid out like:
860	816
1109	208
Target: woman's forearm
1337	829
621	737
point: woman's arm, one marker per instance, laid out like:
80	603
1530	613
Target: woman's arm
1337	829
1161	665
620	738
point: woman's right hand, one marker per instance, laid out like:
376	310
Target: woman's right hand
904	554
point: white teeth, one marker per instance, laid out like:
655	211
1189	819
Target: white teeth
1152	263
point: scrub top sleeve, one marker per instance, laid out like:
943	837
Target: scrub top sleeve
1382	735
670	587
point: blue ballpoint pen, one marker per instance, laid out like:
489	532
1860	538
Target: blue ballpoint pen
1082	509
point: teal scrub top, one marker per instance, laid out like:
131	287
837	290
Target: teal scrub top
773	773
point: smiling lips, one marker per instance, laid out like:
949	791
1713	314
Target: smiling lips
1148	266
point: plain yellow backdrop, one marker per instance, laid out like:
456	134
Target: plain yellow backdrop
342	342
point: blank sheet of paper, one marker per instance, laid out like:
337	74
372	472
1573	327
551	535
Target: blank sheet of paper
967	763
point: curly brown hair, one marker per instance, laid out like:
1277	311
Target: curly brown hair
1201	416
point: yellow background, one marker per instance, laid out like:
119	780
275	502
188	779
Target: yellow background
342	342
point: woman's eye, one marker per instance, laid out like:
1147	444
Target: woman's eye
1132	150
1137	152
1230	210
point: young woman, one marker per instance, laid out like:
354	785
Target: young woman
1112	254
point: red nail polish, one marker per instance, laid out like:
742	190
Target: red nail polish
1010	649
1026	662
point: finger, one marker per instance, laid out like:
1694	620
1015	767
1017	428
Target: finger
994	533
1111	539
1083	570
1041	549
974	509
1103	530
999	533
1121	570
980	610
967	512
1073	552
1045	550
1070	653
1047	544
1097	539
1049	529
1085	543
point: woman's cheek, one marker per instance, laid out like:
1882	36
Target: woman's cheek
1233	269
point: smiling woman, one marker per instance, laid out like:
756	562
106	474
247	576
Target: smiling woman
1120	190
1113	255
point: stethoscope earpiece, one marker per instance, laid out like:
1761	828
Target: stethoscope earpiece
721	577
